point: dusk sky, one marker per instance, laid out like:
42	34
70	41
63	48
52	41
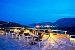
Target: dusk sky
35	11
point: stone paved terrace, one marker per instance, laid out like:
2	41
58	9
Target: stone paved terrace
54	42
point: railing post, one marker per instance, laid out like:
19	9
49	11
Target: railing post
65	32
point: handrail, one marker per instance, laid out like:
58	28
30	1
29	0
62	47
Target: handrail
72	38
71	35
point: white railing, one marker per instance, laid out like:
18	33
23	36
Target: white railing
71	35
72	38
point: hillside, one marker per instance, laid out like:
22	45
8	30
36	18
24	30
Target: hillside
65	22
10	24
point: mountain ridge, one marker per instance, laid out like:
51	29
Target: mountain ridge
64	22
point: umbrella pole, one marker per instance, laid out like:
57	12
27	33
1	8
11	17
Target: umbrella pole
2	33
39	42
19	37
16	35
9	33
33	39
12	35
23	36
6	33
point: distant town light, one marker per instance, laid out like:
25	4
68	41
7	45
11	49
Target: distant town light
47	26
37	26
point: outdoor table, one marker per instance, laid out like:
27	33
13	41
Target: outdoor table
27	38
38	39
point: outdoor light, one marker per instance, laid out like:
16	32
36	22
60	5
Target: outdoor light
16	30
47	26
26	31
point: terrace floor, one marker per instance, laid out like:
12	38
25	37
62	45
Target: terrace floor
52	42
